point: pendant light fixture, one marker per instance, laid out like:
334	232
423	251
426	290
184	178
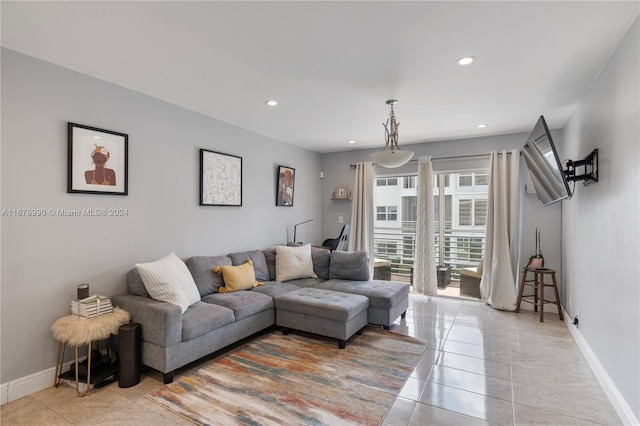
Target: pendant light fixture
391	156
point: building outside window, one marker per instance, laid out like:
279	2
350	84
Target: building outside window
387	182
472	212
465	180
482	179
409	182
387	213
480	213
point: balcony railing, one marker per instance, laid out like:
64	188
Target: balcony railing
456	248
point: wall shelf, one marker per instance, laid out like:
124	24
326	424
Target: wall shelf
342	192
334	198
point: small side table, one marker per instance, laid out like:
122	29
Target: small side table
75	331
538	285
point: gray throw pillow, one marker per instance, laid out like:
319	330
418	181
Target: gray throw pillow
135	285
320	259
270	257
259	262
201	268
347	265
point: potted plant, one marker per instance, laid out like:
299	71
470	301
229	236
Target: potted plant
537	260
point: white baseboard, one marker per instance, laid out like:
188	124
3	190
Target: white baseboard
4	393
615	397
25	386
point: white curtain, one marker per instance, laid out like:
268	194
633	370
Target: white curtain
362	221
424	269
500	273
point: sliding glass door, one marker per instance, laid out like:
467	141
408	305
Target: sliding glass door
460	202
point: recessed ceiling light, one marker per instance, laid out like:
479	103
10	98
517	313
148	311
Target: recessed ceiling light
352	142
466	60
481	126
271	102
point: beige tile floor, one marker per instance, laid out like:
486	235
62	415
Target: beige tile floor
482	366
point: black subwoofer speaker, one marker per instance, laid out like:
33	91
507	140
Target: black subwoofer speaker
129	354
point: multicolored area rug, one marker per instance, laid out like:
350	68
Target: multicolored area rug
297	380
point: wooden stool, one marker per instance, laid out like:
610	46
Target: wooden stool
538	285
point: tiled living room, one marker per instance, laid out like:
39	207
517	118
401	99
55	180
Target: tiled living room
481	366
183	80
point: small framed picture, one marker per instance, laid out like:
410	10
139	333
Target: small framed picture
220	179
286	182
341	193
97	160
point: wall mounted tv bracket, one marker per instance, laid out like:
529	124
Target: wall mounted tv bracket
590	171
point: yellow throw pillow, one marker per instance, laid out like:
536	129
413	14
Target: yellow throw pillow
241	277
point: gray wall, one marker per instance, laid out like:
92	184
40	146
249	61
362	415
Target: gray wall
600	223
44	258
337	172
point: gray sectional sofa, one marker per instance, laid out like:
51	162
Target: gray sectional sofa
172	339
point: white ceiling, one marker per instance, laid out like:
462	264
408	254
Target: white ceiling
332	65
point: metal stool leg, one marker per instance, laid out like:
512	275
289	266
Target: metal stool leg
56	379
86	392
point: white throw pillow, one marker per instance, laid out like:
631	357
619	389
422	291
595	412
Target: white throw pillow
169	280
293	263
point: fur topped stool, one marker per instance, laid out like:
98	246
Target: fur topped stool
75	331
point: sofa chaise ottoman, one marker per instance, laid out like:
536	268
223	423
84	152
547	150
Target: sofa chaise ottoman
323	312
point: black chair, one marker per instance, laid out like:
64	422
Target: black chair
340	243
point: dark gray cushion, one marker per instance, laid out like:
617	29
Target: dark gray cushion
306	282
135	284
323	303
345	265
201	318
270	258
258	259
274	289
321	259
201	268
242	303
381	294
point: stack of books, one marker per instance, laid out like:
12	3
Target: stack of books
92	306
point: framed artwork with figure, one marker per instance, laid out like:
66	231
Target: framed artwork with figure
286	182
220	179
97	160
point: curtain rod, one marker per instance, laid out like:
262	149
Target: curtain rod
452	157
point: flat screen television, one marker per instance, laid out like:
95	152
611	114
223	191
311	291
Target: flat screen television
546	172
